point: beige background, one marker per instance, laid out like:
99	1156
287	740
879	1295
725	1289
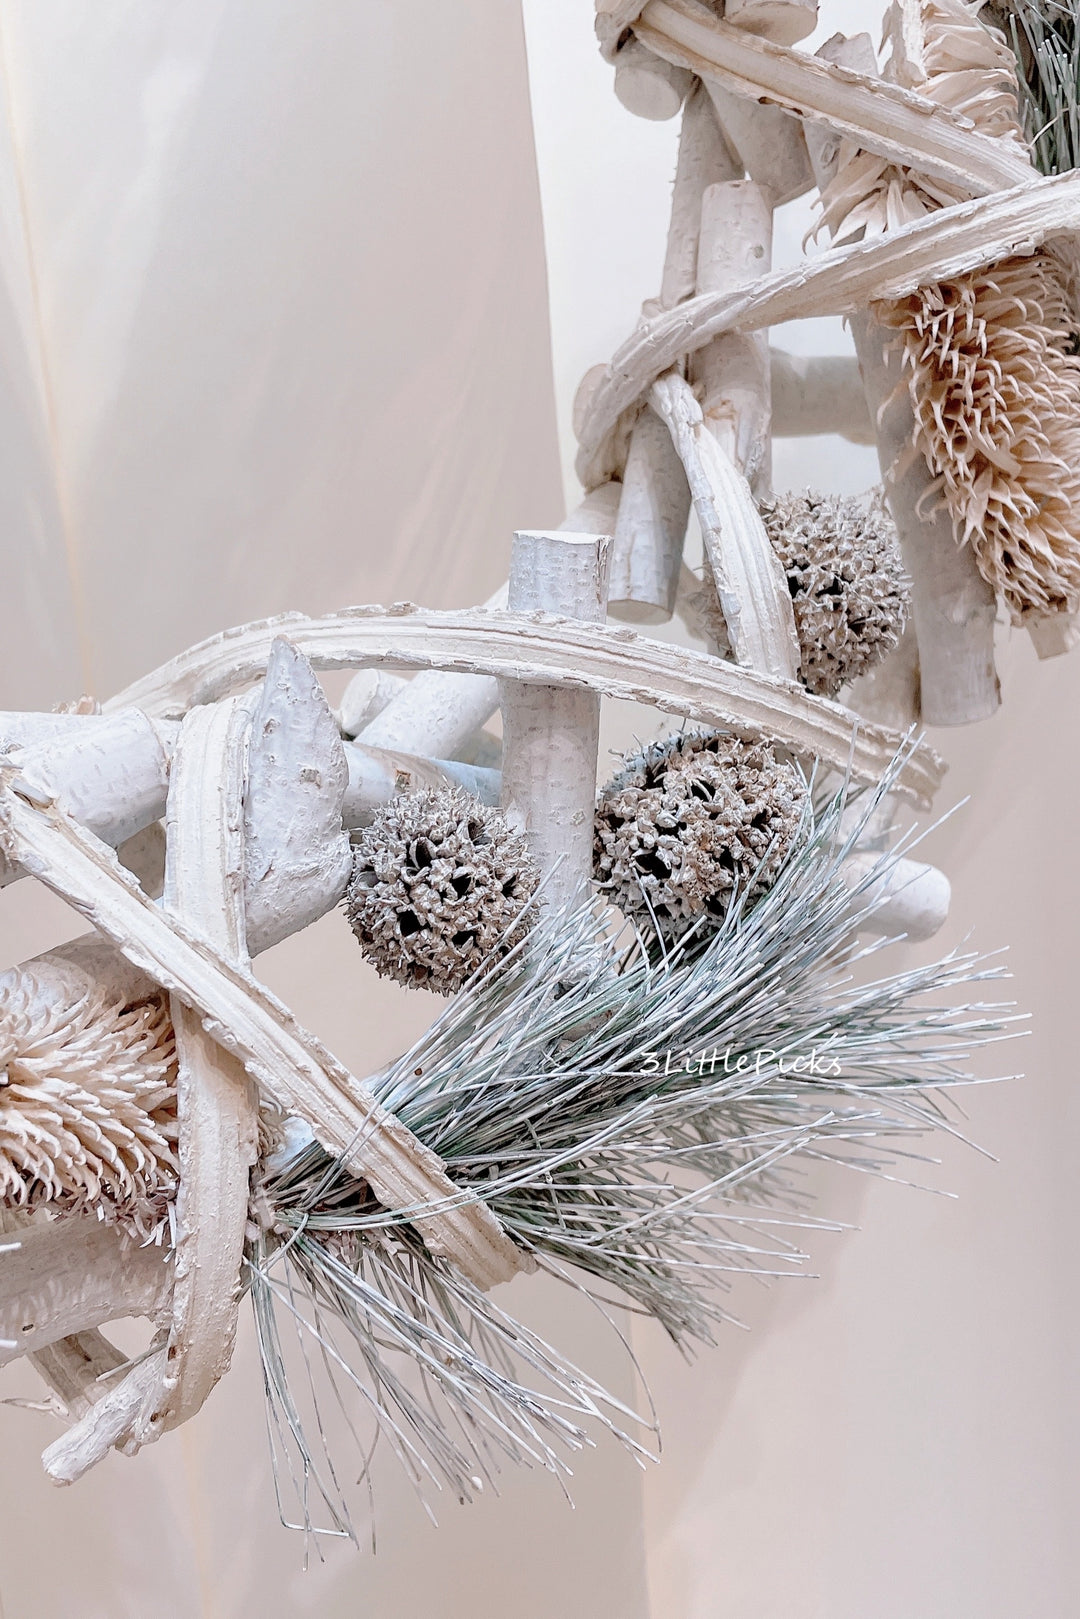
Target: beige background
273	333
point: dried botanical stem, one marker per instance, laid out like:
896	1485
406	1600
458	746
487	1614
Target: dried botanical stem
284	1059
938	247
551	733
217	1104
613	662
59	1277
814	394
756	604
123	1411
377	775
901	126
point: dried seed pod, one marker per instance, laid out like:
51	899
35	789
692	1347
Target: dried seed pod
87	1097
438	884
994	380
693	822
847	581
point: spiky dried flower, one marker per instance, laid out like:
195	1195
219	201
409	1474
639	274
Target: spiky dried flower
692	822
87	1097
994	381
990	358
439	886
953	59
848	586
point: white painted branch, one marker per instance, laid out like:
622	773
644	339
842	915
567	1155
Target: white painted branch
59	1277
732	373
366	695
613	18
814	394
24	728
243	1016
1053	634
551	734
899	125
890	693
939	247
376	775
614	662
909	898
952	606
651	526
297	853
769	141
111	1421
77	1368
705	159
648	86
758	613
784	21
217	1105
110	773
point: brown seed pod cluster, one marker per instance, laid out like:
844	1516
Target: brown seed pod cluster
440	885
994	380
848	586
692	822
87	1097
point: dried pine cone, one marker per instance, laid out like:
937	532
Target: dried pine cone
87	1097
438	881
691	822
847	581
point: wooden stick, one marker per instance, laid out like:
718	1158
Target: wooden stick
614	662
551	734
814	394
648	86
783	21
651	526
438	714
899	125
769	141
59	1277
705	159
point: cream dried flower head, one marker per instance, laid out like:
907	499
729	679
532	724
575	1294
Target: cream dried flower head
440	884
994	381
693	822
87	1096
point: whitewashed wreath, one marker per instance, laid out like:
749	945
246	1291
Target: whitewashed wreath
660	998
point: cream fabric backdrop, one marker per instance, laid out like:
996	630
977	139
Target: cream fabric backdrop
273	333
899	1437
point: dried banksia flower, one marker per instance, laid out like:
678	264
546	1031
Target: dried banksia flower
847	581
87	1097
694	821
994	381
439	886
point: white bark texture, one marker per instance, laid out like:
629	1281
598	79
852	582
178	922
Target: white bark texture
784	21
769	142
60	1277
648	86
814	394
551	734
